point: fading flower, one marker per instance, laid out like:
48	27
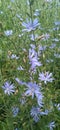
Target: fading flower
45	36
56	29
15	111
46	112
57	23
8	88
19	16
33	37
41	49
30	25
1	12
12	1
48	0
37	12
20	82
20	68
16	129
32	46
23	100
20	35
39	99
9	7
28	2
52	46
49	61
8	32
46	77
35	111
55	40
51	125
58	106
14	56
57	55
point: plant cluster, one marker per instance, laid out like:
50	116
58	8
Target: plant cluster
29	65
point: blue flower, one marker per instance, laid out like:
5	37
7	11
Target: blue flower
8	88
30	25
46	77
32	89
33	57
